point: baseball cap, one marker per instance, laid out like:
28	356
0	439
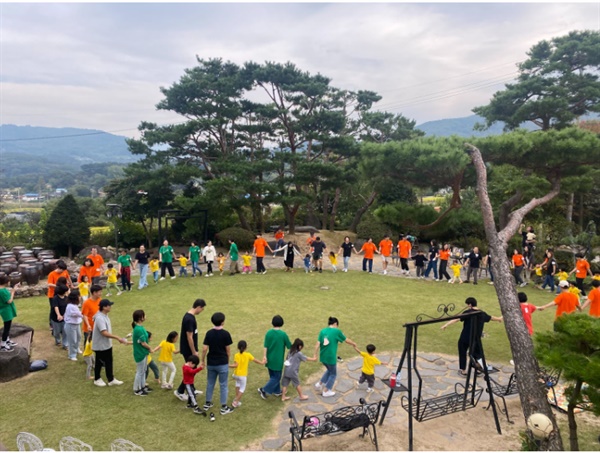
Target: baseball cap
563	284
105	303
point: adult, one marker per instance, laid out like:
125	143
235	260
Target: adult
195	258
464	341
487	263
518	263
529	258
165	256
317	250
327	346
258	250
581	270
141	349
433	255
98	265
102	345
385	250
444	257
404	250
209	253
188	339
86	270
472	265
566	302
289	251
529	237
549	266
593	300
142	260
216	351
234	255
279	235
346	251
275	343
369	249
125	265
8	312
60	271
89	309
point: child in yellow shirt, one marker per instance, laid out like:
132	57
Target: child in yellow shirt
241	360
368	367
247	259
456	267
221	261
167	349
562	275
84	288
333	261
596	276
182	265
154	268
111	281
88	358
574	290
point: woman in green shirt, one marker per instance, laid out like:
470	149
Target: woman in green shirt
7	312
141	349
125	269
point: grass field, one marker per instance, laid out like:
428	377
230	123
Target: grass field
60	402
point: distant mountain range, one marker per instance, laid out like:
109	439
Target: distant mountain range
463	127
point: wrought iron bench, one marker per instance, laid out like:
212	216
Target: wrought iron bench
427	409
340	420
502	391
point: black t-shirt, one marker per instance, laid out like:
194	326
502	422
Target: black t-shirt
420	260
550	266
217	341
318	247
61	303
142	258
188	324
489	260
466	332
474	259
433	251
347	248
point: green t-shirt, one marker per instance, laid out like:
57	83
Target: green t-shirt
195	254
140	335
7	311
328	352
124	260
276	340
233	252
166	253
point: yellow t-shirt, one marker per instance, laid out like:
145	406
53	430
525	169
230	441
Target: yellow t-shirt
112	275
166	351
333	259
84	289
596	277
247	260
538	271
369	362
221	261
149	358
456	269
242	359
574	290
562	276
183	261
154	266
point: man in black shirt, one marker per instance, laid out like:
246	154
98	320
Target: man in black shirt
318	249
472	264
188	339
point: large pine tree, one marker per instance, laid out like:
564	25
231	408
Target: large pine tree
67	229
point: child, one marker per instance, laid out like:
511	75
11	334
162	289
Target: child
154	268
182	265
221	261
240	363
190	369
124	262
420	264
456	267
84	288
150	365
167	349
73	319
333	260
247	259
527	309
596	276
368	367
111	281
573	289
561	275
306	260
292	369
538	273
88	358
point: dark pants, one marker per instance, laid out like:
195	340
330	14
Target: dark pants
260	267
6	331
463	348
126	278
152	366
491	273
50	315
274	383
579	284
518	272
474	271
104	359
209	267
164	267
548	281
431	266
443	271
370	263
404	264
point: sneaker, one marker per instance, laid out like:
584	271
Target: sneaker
264	272
73	359
320	271
262	394
119	293
318	385
140	393
523	284
328	393
173	278
164	386
79	351
162	278
369	389
115	382
207	405
198	392
384	272
212	417
12	344
277	394
199	411
339	359
100	383
226	410
6	348
190	406
236	404
180	396
207	275
148	389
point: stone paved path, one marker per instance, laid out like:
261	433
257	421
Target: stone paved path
439	373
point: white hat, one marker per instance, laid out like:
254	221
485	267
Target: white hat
563	284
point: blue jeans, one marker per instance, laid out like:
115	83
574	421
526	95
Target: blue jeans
365	261
195	267
143	276
73	334
548	281
214	371
274	383
328	379
346	262
491	273
182	271
155	276
431	265
60	337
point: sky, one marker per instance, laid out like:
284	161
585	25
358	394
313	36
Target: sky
100	66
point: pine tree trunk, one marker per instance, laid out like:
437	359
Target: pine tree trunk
243	220
570	203
368	202
325	212
573	441
336	203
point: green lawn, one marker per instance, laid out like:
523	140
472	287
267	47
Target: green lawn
59	401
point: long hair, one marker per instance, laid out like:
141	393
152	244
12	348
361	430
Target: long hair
296	346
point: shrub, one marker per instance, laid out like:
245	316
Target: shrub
370	227
243	238
102	237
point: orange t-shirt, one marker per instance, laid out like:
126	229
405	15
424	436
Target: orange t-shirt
89	308
53	278
404	247
444	255
594	297
310	240
385	246
259	247
582	267
517	260
98	262
566	303
89	271
369	249
279	235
